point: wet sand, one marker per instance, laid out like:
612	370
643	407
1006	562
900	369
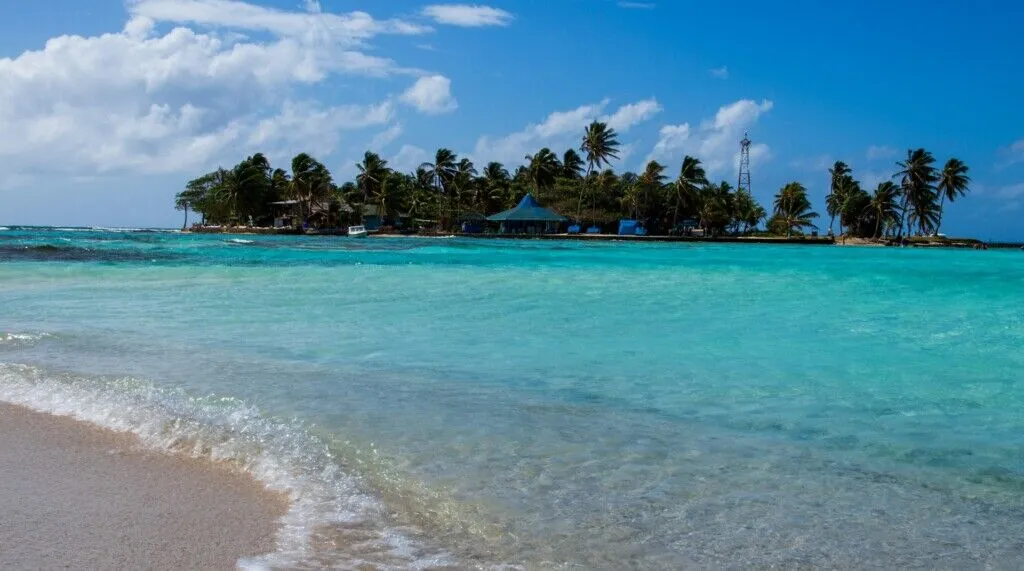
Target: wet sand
73	496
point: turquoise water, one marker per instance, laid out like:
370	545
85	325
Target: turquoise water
525	404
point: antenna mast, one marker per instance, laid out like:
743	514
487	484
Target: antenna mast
744	183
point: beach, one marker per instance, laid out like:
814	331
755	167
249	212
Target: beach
75	496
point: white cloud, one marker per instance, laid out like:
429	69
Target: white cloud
562	130
719	72
637	5
386	137
350	29
467	15
409	158
672	139
716	142
181	88
307	126
876	152
632	114
431	94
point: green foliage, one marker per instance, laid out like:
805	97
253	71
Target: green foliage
914	205
953	181
442	192
792	210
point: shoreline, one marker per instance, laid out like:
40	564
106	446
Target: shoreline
78	496
915	242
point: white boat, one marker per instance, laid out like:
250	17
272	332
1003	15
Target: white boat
357	231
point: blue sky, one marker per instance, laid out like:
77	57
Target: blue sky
107	108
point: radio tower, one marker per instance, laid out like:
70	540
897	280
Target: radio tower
744	183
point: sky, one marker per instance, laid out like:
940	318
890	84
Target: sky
108	107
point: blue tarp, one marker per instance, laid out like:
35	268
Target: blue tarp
631	228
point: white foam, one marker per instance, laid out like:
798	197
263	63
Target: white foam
3	228
281	454
240	241
22	338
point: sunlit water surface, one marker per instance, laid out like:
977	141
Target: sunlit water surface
536	404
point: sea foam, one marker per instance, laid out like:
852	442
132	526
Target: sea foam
283	455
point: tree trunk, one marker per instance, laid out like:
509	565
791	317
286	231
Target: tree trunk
675	213
583	187
184	225
942	204
903	215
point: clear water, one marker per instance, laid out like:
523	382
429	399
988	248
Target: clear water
539	405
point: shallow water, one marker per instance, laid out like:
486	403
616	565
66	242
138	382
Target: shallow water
531	404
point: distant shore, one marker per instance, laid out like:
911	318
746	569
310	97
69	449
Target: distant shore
74	496
914	242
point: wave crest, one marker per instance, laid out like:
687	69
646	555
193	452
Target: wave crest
283	455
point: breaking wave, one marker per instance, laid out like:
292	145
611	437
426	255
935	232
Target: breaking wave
330	519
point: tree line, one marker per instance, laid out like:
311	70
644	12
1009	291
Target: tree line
443	192
913	204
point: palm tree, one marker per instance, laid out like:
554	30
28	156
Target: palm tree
392	189
651	182
953	181
543	168
572	165
600	144
183	202
311	181
441	173
793	208
631	197
691	178
884	207
462	182
279	184
747	211
917	184
496	186
372	173
605	185
716	207
852	205
836	197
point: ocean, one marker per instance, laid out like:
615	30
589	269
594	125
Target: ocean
552	405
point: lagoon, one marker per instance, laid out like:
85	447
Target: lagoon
545	404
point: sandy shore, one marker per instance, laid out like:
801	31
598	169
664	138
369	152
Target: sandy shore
73	496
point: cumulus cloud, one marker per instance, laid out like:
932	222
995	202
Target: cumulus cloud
409	158
562	130
671	140
308	125
348	29
431	94
181	87
467	15
716	141
632	114
386	137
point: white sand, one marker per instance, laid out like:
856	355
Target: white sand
73	496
